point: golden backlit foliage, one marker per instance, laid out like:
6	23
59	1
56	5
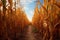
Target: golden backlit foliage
13	20
47	19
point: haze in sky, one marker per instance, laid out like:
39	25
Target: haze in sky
29	6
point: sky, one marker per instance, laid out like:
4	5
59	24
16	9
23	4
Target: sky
29	6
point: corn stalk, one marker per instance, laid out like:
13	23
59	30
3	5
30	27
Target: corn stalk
11	4
4	8
5	35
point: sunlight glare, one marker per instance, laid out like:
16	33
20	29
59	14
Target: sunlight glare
30	19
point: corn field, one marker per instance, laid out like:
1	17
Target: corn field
14	23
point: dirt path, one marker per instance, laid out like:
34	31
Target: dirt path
30	35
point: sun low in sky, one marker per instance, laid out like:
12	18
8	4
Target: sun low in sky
29	6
